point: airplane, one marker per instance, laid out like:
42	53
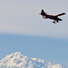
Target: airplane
53	17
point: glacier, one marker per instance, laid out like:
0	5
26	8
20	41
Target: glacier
17	60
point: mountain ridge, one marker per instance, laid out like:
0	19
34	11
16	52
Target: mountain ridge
17	60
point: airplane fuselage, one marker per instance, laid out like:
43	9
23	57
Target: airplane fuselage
51	17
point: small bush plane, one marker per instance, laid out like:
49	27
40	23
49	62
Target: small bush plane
53	17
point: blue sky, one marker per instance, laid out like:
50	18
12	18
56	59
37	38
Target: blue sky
50	49
23	29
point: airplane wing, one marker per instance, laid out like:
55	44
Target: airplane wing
60	14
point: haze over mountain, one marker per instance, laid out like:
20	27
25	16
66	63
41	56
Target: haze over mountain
17	60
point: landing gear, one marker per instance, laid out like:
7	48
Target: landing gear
55	21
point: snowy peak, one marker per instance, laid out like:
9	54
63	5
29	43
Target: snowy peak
17	60
16	54
14	59
13	55
37	60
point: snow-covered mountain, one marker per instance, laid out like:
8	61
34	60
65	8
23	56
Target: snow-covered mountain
17	60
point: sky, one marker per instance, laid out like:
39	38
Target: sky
23	30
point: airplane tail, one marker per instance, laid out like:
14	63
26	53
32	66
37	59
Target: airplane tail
42	12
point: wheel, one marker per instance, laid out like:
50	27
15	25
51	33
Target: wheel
53	21
57	21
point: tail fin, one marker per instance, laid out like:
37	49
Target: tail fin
42	12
